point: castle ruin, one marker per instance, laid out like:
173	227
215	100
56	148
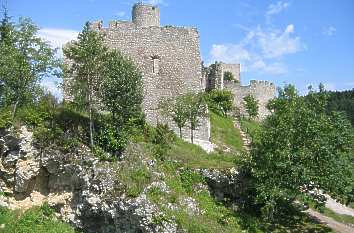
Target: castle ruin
170	62
167	56
262	91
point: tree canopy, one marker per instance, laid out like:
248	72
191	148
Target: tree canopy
24	60
251	105
301	149
85	70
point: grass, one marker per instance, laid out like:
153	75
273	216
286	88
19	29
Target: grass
37	219
196	157
133	173
181	182
223	133
250	127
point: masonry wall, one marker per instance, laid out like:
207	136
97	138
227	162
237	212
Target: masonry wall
263	91
233	68
177	52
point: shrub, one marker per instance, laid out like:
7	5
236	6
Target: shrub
251	105
220	101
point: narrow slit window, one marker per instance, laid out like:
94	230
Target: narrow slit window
155	64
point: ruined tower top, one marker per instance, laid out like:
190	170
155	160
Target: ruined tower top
146	15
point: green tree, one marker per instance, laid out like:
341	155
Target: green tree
85	70
228	76
196	111
122	89
220	101
301	148
177	110
251	105
122	96
24	60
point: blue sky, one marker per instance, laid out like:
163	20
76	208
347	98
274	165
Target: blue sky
300	42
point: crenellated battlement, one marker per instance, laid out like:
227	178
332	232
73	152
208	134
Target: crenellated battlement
261	83
128	25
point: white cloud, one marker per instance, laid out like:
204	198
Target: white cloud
156	2
275	44
275	68
330	86
277	8
230	53
52	85
120	13
329	31
274	9
57	37
260	50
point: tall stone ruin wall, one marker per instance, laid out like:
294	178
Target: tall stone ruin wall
169	59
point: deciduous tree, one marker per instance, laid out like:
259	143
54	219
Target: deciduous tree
301	148
251	105
85	71
24	60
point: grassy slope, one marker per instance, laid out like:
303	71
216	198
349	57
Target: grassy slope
216	216
250	127
196	157
36	219
223	133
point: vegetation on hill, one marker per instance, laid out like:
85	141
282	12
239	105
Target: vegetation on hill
342	101
37	219
224	134
301	147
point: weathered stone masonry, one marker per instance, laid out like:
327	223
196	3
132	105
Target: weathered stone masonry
168	57
170	61
263	91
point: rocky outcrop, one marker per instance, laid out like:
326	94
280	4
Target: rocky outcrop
84	191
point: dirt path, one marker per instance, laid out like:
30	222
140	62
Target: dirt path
334	225
338	207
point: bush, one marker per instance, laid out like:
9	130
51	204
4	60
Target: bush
161	137
220	101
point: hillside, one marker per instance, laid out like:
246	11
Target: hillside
179	188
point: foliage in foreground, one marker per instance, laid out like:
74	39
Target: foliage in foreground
301	148
24	60
37	219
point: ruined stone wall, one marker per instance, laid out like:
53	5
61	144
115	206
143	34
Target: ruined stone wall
169	59
263	91
214	77
233	68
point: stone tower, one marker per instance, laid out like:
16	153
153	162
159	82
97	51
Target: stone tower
144	15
